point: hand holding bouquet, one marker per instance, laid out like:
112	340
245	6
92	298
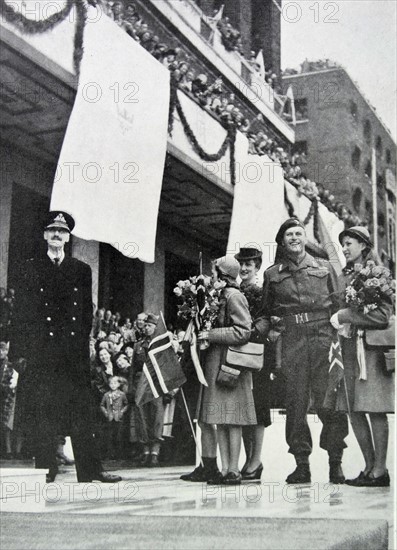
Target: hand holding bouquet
370	284
200	302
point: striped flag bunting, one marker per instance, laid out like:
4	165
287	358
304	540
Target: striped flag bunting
162	371
335	374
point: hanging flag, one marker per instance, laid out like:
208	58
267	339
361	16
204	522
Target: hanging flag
258	205
106	177
261	64
288	99
162	371
218	16
290	96
335	375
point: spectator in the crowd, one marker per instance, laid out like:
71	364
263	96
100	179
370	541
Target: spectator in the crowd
150	416
139	326
114	406
127	331
8	384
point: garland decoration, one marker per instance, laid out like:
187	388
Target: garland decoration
30	26
81	20
229	141
316	222
290	206
310	214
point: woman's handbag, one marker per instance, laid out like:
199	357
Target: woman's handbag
227	377
248	356
385	338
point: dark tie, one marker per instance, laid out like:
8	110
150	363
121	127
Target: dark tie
56	262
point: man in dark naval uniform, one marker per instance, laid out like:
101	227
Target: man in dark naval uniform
302	291
50	343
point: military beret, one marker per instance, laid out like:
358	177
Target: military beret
60	219
291	222
357	232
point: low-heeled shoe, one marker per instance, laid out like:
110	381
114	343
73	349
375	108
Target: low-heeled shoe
380	481
357	481
232	478
254	475
215	478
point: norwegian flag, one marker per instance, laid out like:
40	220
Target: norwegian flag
336	374
162	371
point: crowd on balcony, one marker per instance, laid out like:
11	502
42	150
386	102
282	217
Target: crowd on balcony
222	104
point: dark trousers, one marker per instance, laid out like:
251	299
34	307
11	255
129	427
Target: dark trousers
69	411
114	438
305	364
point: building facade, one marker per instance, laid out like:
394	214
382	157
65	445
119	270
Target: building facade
38	88
348	147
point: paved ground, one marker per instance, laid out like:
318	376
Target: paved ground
158	493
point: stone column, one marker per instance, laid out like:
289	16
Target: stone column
154	276
88	252
5	220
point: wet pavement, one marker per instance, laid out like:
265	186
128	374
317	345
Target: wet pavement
159	491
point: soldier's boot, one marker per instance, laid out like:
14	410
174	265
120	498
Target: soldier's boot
301	474
335	469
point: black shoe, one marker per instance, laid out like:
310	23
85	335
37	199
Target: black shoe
154	461
300	475
255	475
215	478
244	468
145	460
381	481
50	477
105	477
336	473
199	475
357	481
63	459
232	478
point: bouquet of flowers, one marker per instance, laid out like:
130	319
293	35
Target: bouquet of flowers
200	300
369	285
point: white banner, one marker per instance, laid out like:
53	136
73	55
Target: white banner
258	206
330	227
111	166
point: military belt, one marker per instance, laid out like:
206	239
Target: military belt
306	317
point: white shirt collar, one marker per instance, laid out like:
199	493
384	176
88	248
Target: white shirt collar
52	256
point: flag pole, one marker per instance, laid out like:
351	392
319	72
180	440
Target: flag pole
191	427
186	408
344	381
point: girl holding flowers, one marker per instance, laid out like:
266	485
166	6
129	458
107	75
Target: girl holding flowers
368	300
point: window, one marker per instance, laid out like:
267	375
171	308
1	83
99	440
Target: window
388	156
356	155
379	146
300	147
367	131
356	199
354	110
301	108
381	219
368	169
